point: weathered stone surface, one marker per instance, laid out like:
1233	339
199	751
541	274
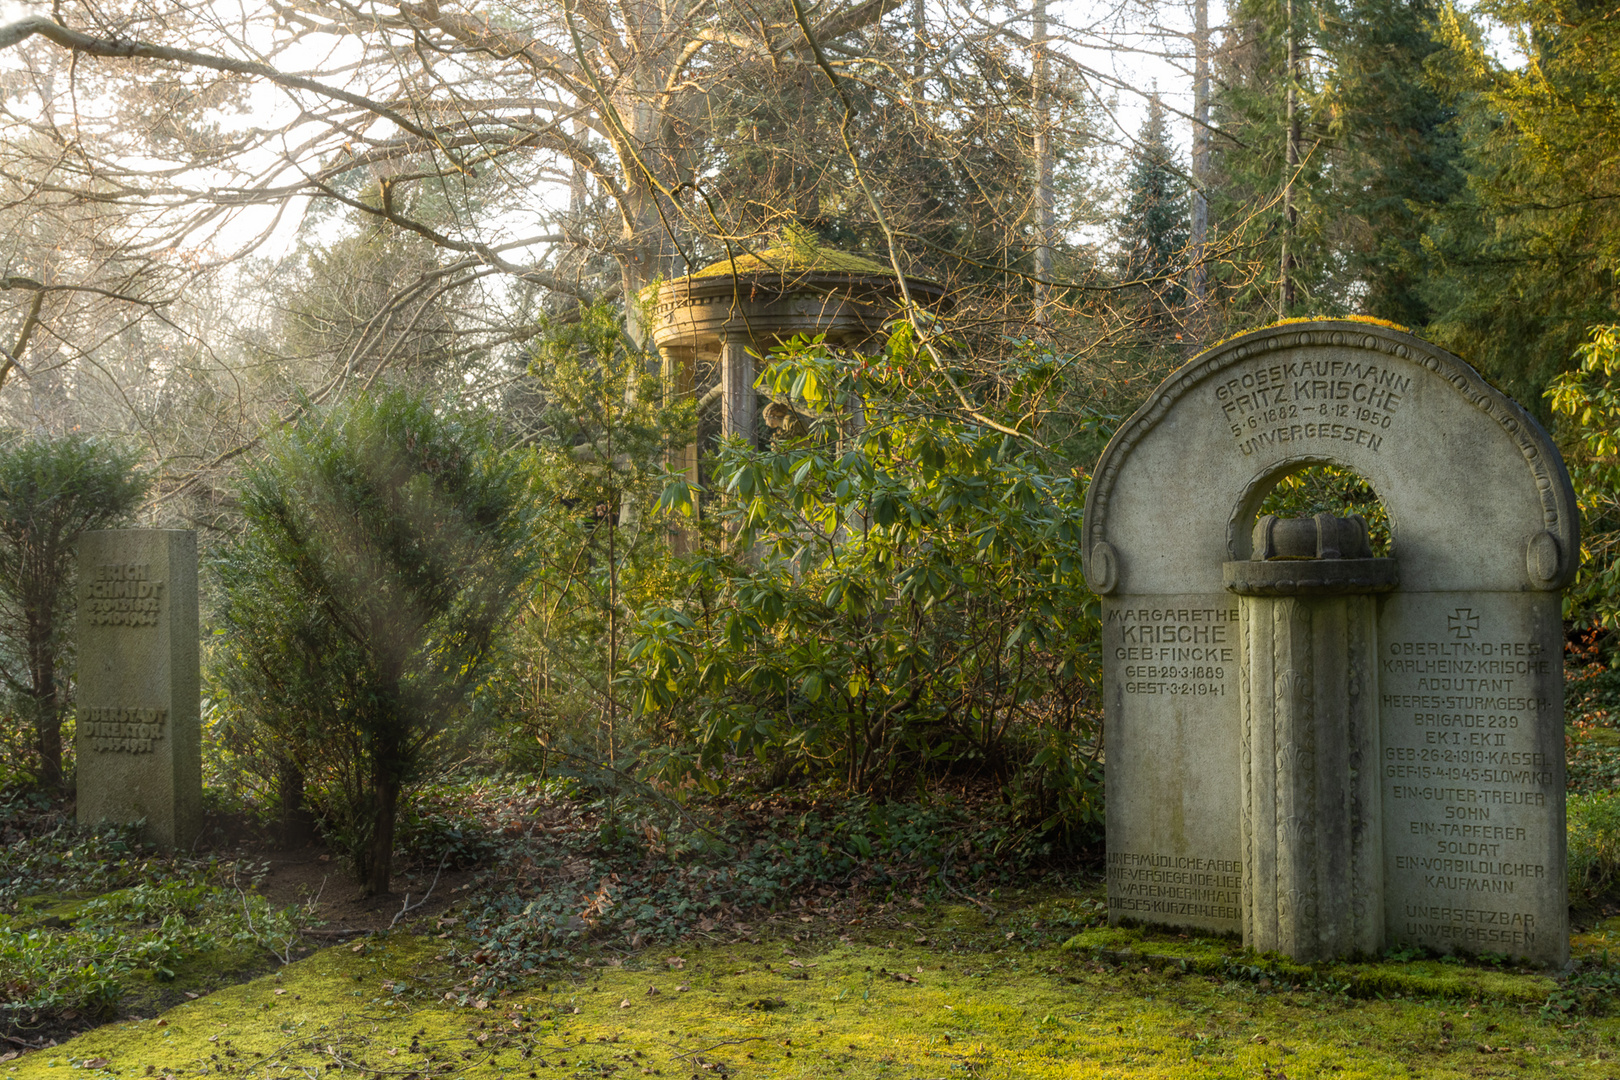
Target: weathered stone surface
139	736
1468	645
1312	837
1471	697
1312	844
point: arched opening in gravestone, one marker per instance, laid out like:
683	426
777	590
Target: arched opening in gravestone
1321	488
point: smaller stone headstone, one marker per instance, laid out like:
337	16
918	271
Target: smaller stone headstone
139	736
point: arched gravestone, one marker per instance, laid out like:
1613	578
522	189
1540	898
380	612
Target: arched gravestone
1322	785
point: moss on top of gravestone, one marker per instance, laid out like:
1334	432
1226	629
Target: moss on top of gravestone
1365	319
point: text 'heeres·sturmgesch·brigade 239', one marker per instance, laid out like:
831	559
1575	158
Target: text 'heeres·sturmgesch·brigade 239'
1329	752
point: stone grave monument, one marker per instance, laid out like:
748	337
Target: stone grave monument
139	737
1329	753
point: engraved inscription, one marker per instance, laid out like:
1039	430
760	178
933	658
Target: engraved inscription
1155	884
1473	927
1311	400
1463	789
122	594
121	729
1176	651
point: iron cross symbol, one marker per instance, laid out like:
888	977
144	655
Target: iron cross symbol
1462	623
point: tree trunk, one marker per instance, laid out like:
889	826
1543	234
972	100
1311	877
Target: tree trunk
297	824
385	805
919	38
650	251
47	718
48	727
1291	159
1200	167
1043	167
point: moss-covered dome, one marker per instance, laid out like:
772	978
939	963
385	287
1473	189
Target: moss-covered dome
797	252
796	286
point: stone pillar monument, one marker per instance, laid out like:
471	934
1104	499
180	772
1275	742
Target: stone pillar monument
1313	873
139	737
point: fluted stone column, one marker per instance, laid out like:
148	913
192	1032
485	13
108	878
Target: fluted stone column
737	406
680	371
1311	828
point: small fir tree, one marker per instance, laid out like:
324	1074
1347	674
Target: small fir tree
52	489
384	545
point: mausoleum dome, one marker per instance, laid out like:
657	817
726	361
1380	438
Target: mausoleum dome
796	286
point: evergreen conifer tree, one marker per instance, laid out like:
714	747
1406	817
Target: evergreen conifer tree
1522	263
1252	184
1393	153
1377	155
53	489
1154	228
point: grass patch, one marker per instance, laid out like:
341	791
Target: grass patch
1594	844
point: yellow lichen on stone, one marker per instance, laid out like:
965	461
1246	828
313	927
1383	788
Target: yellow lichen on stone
1366	319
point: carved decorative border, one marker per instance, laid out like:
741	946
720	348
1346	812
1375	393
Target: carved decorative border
1559	512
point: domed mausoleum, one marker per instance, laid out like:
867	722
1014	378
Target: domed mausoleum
711	325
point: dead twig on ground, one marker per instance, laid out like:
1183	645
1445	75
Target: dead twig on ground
718	1045
410	907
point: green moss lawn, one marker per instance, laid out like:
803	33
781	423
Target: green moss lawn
909	992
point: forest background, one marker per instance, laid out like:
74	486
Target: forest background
358	292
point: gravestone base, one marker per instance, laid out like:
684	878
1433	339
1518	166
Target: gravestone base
139	739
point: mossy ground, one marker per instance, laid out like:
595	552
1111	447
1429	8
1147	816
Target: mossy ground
915	993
